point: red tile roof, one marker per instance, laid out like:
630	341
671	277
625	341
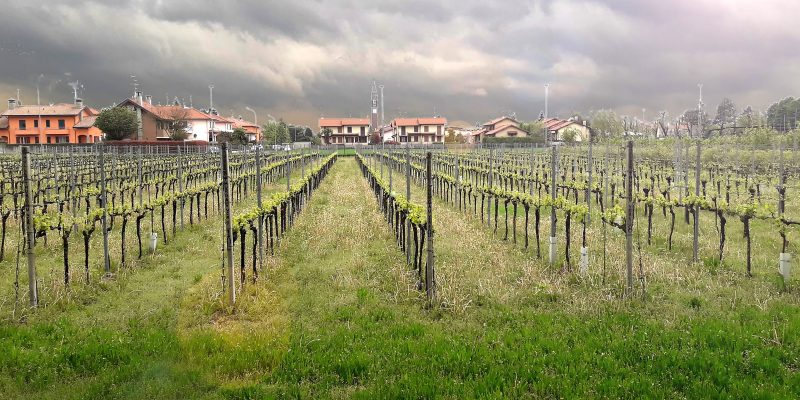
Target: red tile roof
496	120
86	122
419	121
554	124
56	110
336	122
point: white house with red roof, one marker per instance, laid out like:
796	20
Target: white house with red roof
502	127
558	129
418	130
344	130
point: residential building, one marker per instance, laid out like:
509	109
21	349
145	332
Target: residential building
201	125
253	131
419	130
502	127
58	123
344	130
558	129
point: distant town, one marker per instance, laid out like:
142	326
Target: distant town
138	119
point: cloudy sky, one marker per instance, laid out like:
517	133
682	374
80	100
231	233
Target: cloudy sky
469	60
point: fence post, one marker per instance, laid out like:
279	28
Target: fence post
260	204
491	176
553	191
226	193
180	182
288	172
458	182
29	228
589	167
408	199
629	216
695	239
430	277
103	205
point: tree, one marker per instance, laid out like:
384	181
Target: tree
450	136
570	135
177	123
375	138
606	123
690	118
275	132
726	113
783	115
750	118
238	136
117	123
532	127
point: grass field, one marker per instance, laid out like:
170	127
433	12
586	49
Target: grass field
338	316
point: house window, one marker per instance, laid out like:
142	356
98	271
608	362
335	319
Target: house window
62	139
349	129
416	138
339	130
22	125
35	123
426	128
61	124
363	130
47	123
403	131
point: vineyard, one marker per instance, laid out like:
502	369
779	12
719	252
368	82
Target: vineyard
391	271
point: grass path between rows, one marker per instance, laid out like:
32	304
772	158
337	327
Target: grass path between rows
337	317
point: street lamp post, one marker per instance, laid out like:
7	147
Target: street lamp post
255	118
546	93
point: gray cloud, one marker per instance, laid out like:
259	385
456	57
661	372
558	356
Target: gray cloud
466	59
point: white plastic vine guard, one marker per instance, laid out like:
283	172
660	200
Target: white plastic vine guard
153	242
552	249
584	265
785	265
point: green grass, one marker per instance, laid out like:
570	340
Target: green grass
338	317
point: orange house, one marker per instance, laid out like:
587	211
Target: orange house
59	123
253	131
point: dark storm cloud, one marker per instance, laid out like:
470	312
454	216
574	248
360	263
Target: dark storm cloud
465	59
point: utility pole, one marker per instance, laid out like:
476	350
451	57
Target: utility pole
382	114
546	94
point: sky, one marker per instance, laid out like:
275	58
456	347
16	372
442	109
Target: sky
467	60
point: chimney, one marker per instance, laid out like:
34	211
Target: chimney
149	99
139	97
79	103
11	103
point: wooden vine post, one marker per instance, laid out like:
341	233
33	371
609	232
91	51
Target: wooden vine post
103	206
29	228
553	191
260	204
629	216
408	199
226	204
696	238
430	277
